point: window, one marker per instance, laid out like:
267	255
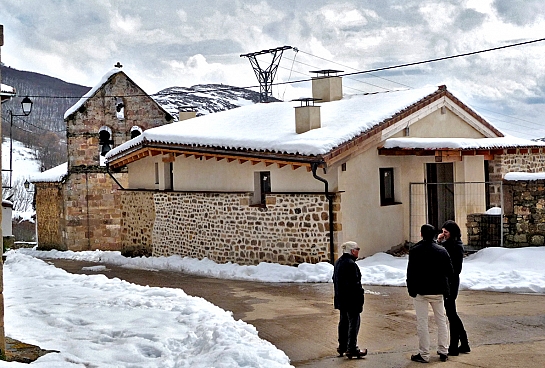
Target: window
135	131
157	173
262	186
120	108
169	176
387	186
105	143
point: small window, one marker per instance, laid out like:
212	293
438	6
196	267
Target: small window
120	108
169	176
262	186
157	173
135	131
105	143
387	186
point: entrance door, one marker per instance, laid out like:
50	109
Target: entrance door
440	179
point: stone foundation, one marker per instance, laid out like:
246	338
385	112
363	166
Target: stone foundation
223	227
137	218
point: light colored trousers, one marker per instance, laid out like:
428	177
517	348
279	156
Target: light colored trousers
421	303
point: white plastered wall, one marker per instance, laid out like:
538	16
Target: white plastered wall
193	174
378	228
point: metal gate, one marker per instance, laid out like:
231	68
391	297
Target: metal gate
475	206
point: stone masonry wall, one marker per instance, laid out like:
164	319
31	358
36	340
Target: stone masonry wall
483	230
137	218
92	212
512	162
92	217
49	214
100	110
524	213
292	229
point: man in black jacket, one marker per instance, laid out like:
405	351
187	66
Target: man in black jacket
428	273
348	300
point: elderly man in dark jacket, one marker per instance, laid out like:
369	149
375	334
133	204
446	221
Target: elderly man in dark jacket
428	273
348	300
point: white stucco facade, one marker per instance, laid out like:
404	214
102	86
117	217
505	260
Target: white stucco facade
195	174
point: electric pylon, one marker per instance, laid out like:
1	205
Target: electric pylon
266	76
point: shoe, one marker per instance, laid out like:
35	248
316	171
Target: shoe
464	349
418	358
356	353
453	351
341	352
442	357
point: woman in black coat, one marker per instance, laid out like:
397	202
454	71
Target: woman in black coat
450	238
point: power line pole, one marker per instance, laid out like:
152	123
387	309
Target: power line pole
265	76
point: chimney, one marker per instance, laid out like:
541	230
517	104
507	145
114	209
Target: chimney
307	116
327	87
187	112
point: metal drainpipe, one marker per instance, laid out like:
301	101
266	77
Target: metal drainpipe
329	197
112	176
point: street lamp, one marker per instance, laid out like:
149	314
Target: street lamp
26	105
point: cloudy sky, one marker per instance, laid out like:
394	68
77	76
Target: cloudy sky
166	43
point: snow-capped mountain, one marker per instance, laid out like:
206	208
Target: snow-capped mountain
205	98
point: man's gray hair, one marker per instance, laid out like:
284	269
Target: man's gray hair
348	246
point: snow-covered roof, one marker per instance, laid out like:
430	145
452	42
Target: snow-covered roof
6	92
516	176
271	127
4	88
460	143
91	93
54	175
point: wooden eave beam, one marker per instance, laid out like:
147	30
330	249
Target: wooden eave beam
405	152
171	154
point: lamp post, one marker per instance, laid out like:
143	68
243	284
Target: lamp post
26	105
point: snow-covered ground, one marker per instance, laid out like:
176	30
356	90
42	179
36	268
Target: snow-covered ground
24	164
99	322
24	160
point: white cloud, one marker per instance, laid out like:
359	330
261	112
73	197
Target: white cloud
164	43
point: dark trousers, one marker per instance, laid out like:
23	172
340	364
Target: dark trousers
457	331
349	326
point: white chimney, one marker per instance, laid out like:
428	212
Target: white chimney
307	116
327	87
187	112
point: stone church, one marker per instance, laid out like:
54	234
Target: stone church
77	203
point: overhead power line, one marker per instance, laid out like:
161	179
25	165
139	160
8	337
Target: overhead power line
431	60
345	66
341	75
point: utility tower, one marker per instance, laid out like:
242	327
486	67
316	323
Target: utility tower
266	76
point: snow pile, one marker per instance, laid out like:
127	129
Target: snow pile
492	269
94	321
264	272
517	176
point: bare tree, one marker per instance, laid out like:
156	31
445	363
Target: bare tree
21	198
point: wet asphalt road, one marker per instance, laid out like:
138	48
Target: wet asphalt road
505	330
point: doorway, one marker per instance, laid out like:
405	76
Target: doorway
440	183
